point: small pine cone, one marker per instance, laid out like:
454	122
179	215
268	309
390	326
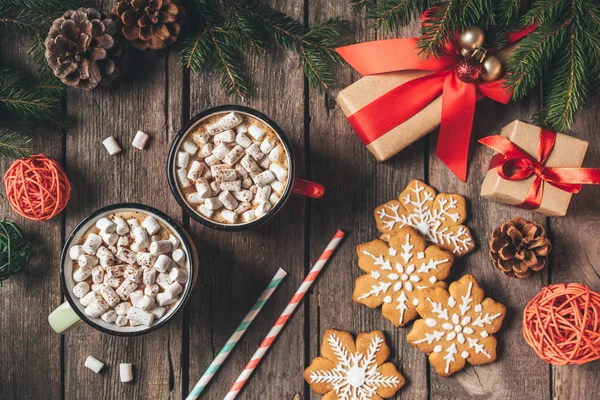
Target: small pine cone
149	24
82	51
519	247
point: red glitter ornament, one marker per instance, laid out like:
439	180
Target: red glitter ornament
37	187
468	70
562	324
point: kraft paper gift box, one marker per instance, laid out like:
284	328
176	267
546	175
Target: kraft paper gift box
567	152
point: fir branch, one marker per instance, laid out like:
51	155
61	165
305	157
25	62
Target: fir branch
31	16
438	28
388	15
227	66
14	144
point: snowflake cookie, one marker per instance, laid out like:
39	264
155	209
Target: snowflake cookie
437	218
397	271
457	327
353	371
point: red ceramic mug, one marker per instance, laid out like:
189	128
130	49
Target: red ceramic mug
293	185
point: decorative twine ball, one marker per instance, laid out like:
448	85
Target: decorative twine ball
15	249
37	187
562	324
468	70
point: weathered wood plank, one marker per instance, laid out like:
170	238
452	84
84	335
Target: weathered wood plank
235	267
515	372
140	100
356	184
576	256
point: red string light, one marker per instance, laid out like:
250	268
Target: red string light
562	324
37	187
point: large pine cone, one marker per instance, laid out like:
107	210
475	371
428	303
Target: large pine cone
519	247
82	51
150	24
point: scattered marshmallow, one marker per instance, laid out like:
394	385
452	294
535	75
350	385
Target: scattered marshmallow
111	145
93	364
140	140
126	372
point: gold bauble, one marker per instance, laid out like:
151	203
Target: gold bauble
492	68
471	38
465	53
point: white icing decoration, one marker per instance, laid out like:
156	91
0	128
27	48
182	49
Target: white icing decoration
430	322
478	308
420	255
429	221
484	334
393	252
432	279
387	299
449	357
451	301
356	376
438	349
375	274
415	302
464	354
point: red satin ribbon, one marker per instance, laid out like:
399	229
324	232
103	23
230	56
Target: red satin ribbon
515	164
403	102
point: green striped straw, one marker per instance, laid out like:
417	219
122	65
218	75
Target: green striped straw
234	339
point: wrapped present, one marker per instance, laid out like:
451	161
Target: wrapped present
403	96
536	169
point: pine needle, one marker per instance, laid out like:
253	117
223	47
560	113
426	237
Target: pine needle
14	144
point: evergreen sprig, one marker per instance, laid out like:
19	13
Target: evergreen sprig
229	29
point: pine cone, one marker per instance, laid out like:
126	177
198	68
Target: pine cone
82	51
149	24
519	247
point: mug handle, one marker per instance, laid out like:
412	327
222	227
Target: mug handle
306	188
63	318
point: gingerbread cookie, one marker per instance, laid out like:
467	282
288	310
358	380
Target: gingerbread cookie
353	371
457	327
397	272
438	218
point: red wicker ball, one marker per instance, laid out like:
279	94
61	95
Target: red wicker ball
37	187
562	324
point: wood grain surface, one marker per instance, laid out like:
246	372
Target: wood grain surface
158	97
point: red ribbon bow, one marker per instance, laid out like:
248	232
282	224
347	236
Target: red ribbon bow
514	163
404	101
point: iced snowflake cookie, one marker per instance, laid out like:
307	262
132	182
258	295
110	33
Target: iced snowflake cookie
438	218
457	327
353	371
397	271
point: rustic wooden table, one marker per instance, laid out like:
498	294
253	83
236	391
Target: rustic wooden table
158	97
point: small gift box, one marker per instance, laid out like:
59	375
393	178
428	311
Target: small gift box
536	169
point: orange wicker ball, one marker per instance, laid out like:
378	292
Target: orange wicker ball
37	187
562	324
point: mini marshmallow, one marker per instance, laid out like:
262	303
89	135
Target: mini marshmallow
111	145
122	308
98	274
91	244
267	145
90	298
106	225
225	137
145	259
158	312
182	159
214	187
162	263
151	225
160	247
273	198
264	178
81	289
86	261
212	160
182	178
125	372
135	297
97	286
263	209
174	241
207	175
164	299
230	121
229	216
254	152
75	252
234	155
126	255
163	280
243	140
93	364
250	165
228	200
201	138
243	195
148	275
248	216
140	236
263	194
220	151
274	154
231	186
121	320
195	198
115	271
178	275
151	290
178	256
140	139
110	296
145	303
264	163
247	183
105	256
110	316
197	169
174	289
189	147
133	223
109	238
243	207
97	308
255	132
121	226
277	186
205	211
225	175
213	203
139	317
218	167
133	273
206	150
112	282
126	288
240	171
280	172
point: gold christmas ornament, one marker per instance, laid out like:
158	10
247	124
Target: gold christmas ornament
465	53
471	38
492	69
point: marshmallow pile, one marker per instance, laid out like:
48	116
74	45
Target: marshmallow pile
232	173
127	273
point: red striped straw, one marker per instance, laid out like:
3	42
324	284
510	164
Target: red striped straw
283	318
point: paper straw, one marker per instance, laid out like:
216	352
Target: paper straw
283	318
234	339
